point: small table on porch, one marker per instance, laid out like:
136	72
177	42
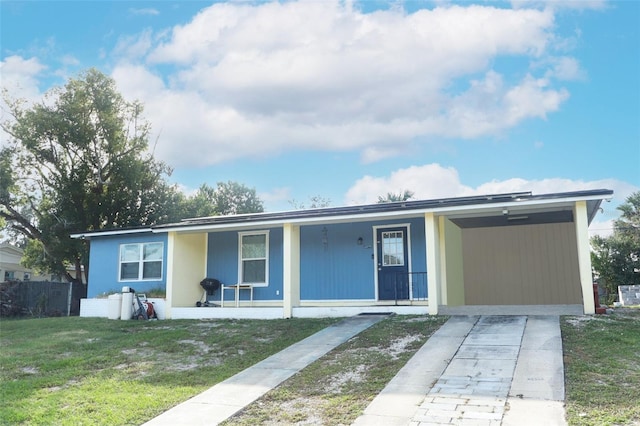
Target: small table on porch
237	288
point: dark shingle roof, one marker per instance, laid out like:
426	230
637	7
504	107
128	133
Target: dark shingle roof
385	207
335	213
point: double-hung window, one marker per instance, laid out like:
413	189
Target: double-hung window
141	261
253	267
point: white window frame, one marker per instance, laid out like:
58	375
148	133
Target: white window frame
395	246
140	262
266	258
409	255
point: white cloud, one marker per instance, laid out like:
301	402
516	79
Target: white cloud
70	60
562	4
256	80
20	80
134	47
20	76
566	68
278	197
144	11
426	182
432	181
603	228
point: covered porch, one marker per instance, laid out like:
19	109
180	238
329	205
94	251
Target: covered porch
507	253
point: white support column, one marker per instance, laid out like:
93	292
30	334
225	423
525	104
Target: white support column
290	269
432	237
443	261
584	256
169	279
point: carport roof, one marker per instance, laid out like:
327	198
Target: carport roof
462	210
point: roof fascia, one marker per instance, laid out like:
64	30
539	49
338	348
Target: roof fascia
85	235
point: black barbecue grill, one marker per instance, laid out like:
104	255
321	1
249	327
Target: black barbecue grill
210	286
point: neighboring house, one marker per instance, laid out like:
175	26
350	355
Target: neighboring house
12	270
514	250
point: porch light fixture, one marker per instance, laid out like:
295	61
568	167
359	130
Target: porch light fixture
360	241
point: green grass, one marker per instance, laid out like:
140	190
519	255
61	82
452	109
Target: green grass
88	371
602	368
337	388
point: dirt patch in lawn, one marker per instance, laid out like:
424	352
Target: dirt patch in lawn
337	388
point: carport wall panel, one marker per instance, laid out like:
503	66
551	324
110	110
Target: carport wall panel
524	265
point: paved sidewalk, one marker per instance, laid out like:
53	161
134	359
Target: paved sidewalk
499	370
399	400
230	396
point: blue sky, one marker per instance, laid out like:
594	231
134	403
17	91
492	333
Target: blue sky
351	100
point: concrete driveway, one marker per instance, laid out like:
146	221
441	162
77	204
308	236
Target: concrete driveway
479	370
475	370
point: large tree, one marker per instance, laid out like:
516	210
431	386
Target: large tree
78	161
226	198
236	198
616	259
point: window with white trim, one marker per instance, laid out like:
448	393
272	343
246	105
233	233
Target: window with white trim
141	261
253	258
393	248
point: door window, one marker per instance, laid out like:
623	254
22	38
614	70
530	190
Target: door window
393	248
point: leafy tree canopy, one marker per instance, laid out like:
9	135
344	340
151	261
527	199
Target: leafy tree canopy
393	197
226	199
616	259
78	161
315	202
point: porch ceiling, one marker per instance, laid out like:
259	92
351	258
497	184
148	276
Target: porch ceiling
515	218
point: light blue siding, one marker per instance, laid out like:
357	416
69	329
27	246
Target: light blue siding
333	266
104	264
222	263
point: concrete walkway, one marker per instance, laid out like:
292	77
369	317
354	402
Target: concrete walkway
489	370
230	396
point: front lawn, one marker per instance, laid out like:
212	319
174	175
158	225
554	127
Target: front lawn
602	368
90	371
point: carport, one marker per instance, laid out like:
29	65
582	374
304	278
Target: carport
518	257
